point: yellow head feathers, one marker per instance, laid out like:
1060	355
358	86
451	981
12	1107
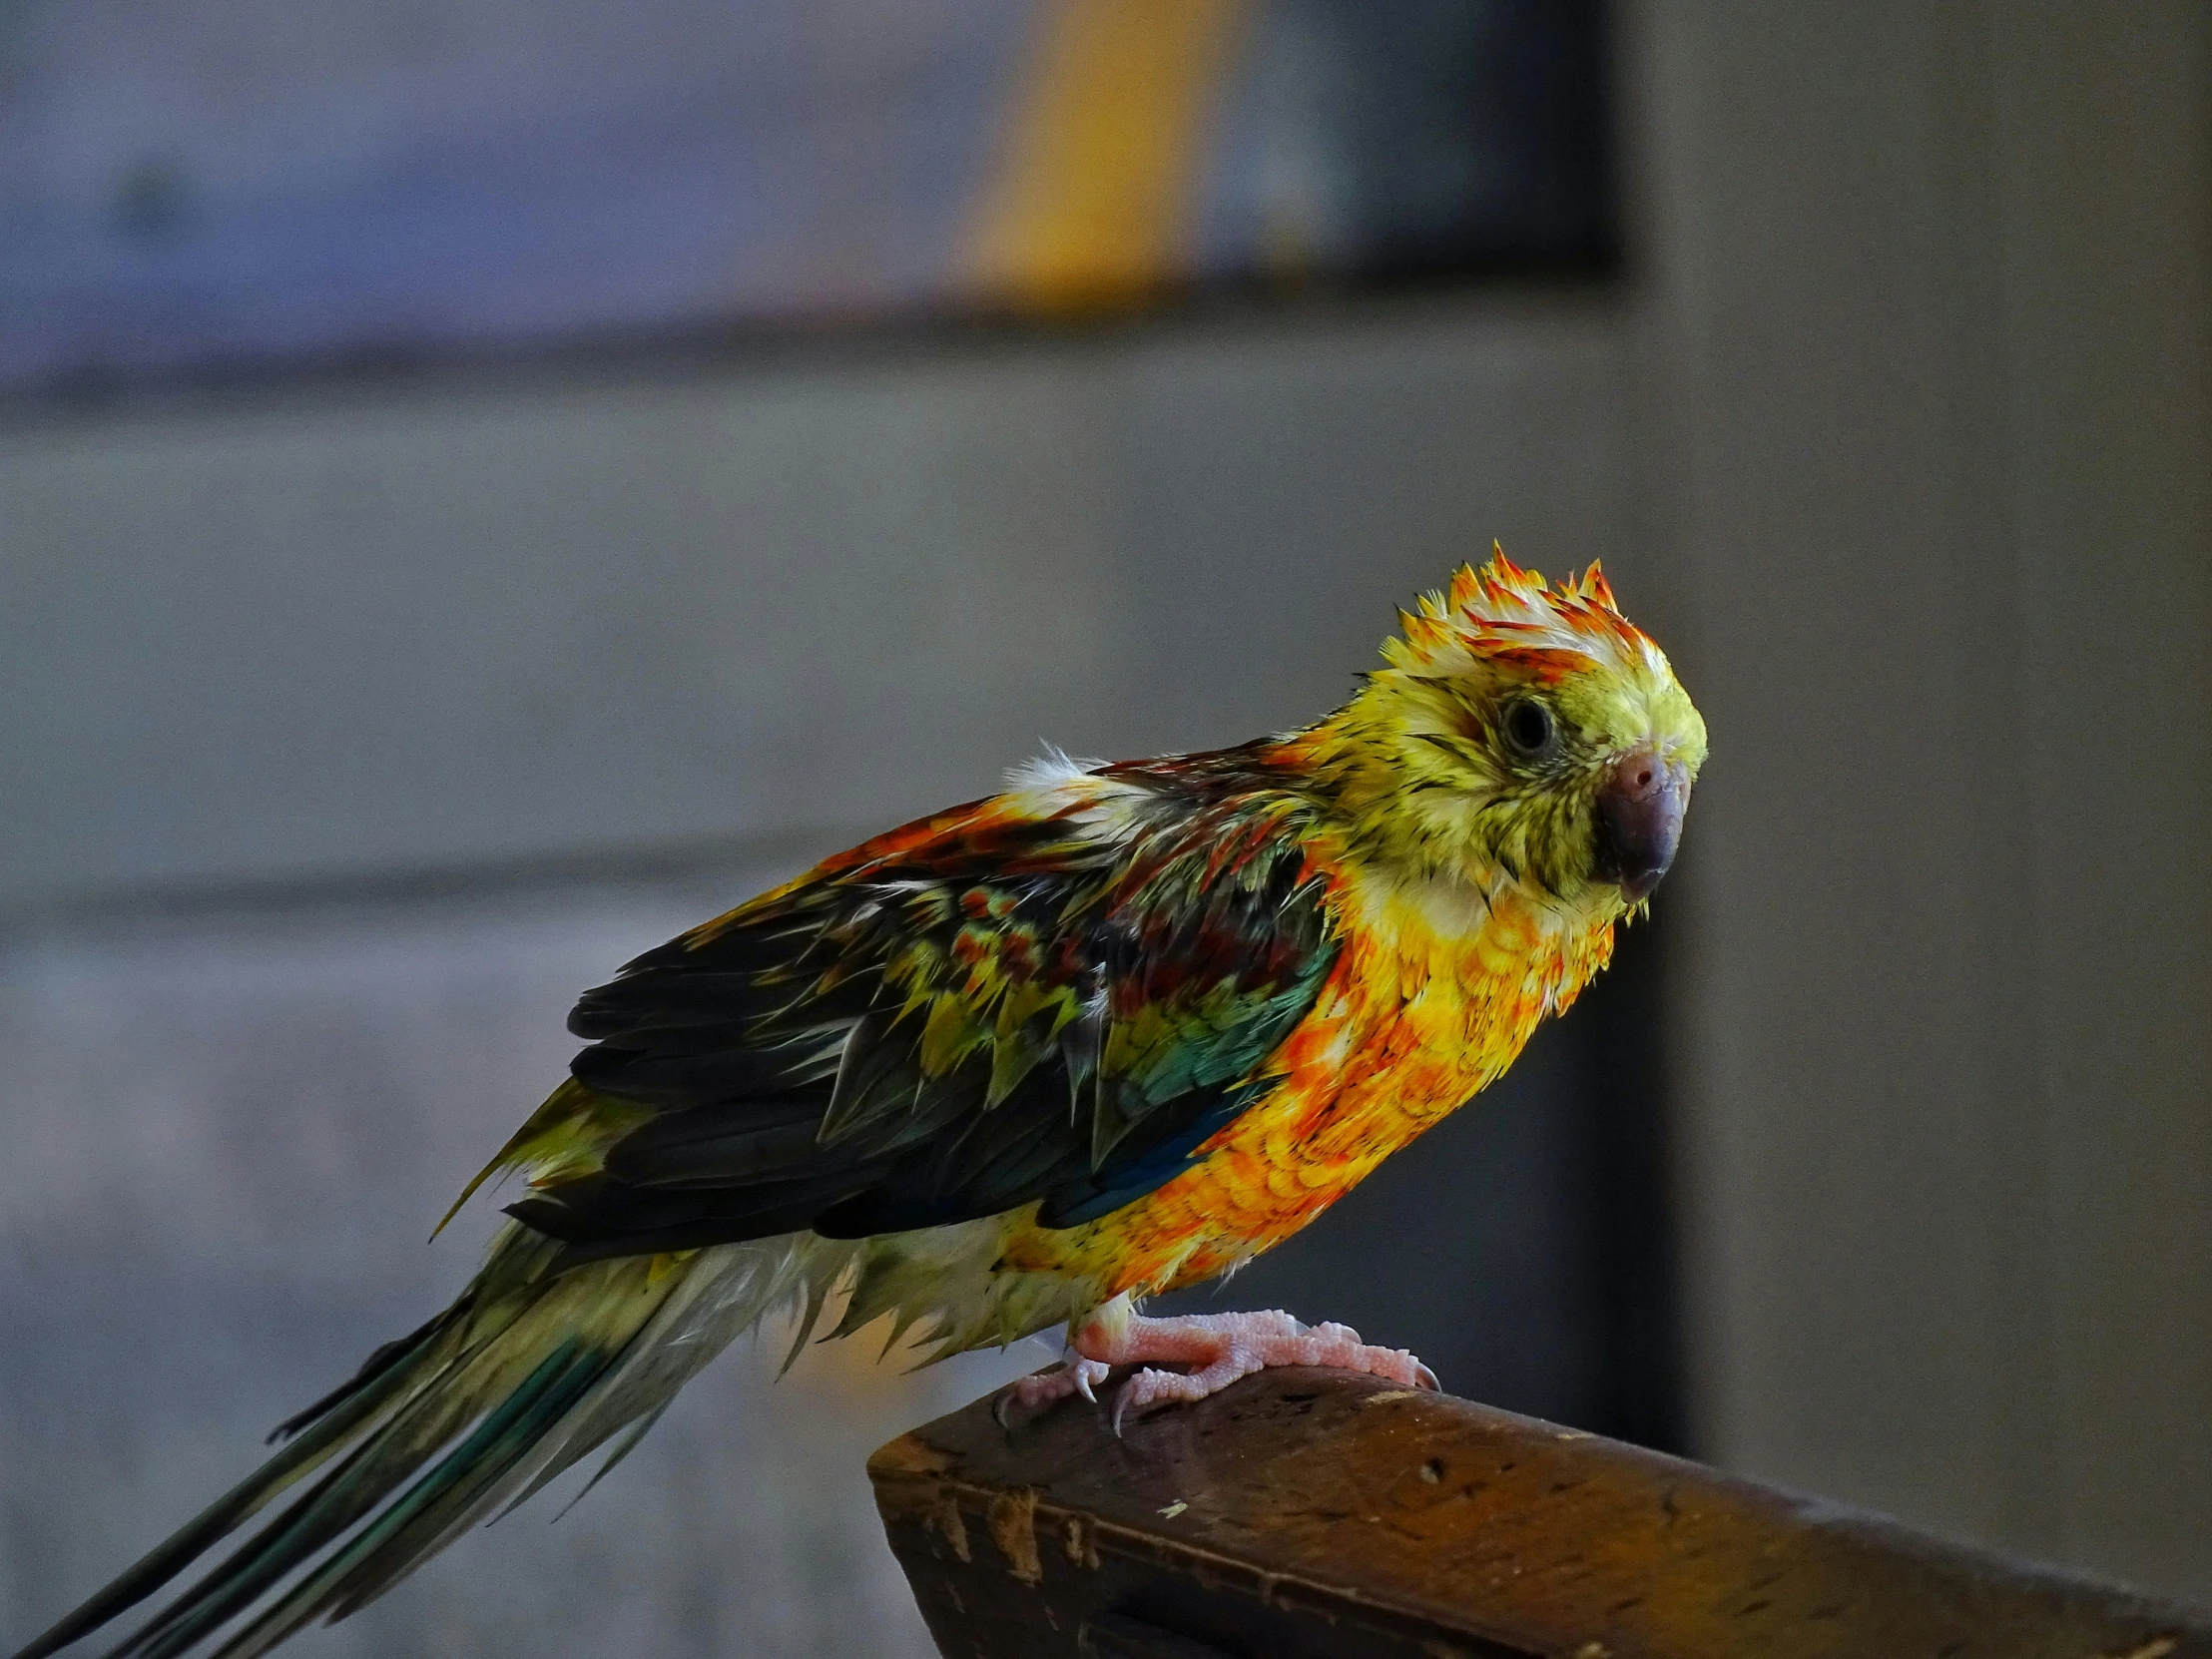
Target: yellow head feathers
1501	737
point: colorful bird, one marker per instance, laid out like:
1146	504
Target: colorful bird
1017	1065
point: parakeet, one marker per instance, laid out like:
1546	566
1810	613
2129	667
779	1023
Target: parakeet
1016	1065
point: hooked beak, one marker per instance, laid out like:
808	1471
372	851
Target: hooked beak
1639	821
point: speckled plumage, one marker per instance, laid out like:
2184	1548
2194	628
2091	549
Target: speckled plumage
1115	1031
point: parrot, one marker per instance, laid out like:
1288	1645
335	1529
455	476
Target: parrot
1020	1064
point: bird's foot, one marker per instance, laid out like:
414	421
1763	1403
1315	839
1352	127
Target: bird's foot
1221	1347
1077	1376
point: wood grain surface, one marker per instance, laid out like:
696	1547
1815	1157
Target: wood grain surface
1307	1514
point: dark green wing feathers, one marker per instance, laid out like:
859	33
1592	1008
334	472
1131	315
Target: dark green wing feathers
954	1021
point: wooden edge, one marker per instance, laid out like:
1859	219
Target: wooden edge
1321	1513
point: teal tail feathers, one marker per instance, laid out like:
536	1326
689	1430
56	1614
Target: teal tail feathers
532	1369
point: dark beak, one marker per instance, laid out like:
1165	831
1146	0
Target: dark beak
1639	821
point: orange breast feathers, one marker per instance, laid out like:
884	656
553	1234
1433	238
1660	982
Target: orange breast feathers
1434	993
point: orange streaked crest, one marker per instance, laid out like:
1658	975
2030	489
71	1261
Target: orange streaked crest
1502	609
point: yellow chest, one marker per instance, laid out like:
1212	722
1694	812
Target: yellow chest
1433	993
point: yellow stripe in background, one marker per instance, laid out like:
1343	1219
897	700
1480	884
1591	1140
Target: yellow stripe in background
1090	201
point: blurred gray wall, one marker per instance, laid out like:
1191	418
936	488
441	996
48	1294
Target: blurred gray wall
307	635
1897	435
1929	290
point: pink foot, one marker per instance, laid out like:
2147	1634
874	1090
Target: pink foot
1077	1376
1224	1346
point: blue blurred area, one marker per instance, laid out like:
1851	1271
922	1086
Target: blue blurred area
213	186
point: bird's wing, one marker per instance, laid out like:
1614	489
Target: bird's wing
987	1008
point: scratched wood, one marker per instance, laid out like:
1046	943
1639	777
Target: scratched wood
1309	1514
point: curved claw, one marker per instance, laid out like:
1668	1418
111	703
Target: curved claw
1077	1376
1427	1377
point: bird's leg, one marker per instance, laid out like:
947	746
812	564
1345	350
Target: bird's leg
1219	1346
1224	1347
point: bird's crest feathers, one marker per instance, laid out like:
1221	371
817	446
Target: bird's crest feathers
1504	609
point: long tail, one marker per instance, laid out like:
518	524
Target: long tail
530	1369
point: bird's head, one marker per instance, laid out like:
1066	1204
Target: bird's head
1518	729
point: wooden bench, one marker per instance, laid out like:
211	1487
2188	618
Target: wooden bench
1307	1515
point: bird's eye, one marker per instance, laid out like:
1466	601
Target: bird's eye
1529	729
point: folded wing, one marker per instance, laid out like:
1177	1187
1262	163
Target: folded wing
990	1008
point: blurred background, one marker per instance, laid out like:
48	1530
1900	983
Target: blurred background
484	486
